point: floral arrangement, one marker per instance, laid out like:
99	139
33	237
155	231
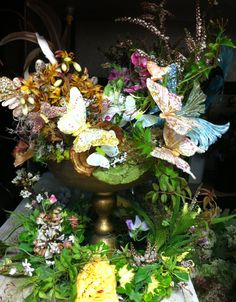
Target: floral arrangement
147	119
151	109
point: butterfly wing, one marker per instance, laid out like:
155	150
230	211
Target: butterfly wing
206	133
74	120
180	143
172	78
94	137
148	120
111	151
195	104
181	124
167	102
167	155
98	160
156	71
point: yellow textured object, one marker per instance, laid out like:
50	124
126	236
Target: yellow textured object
97	282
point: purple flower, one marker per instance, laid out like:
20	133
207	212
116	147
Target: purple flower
136	227
204	241
28	270
117	74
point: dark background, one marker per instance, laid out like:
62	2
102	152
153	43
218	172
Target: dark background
92	31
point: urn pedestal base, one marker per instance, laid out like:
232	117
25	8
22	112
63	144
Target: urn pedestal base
103	204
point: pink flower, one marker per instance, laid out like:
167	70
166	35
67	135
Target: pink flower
52	199
138	60
133	88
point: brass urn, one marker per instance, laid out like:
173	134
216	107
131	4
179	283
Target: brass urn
104	197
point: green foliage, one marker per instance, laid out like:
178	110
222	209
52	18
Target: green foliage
114	88
151	282
169	186
169	226
142	138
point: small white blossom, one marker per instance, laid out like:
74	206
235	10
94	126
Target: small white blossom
25	193
12	271
30	175
19	175
72	238
28	270
50	233
35	178
118	159
50	263
61	238
48	254
39	198
39	220
41	236
60	147
28	206
54	248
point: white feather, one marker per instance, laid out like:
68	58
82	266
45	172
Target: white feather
98	160
111	151
46	49
11	102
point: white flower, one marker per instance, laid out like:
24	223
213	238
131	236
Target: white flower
48	254
12	271
41	236
30	175
50	263
28	206
61	238
54	248
72	238
28	270
19	176
50	233
39	198
25	193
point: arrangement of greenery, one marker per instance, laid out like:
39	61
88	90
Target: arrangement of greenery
152	257
148	118
161	242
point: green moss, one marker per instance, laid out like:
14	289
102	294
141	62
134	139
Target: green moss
121	174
